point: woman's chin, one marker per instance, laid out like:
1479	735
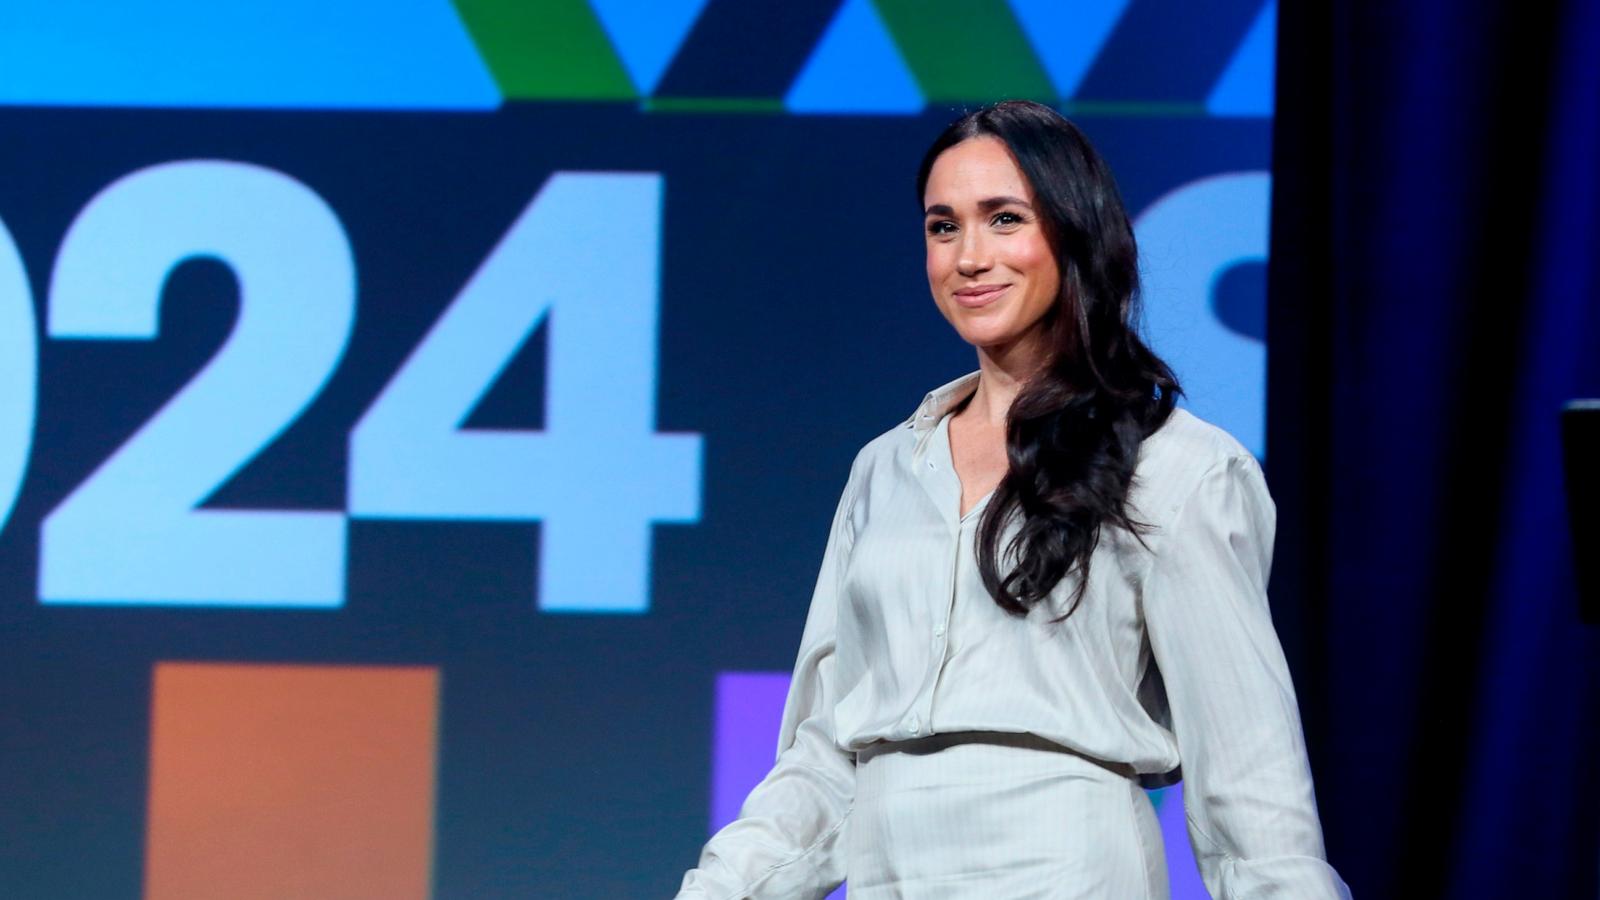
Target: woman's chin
999	343
989	338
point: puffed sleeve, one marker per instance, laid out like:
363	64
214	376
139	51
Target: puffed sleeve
786	842
1252	814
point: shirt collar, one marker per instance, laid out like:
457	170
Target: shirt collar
941	400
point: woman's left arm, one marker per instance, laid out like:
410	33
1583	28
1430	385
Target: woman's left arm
1252	814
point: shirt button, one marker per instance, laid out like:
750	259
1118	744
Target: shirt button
938	630
913	726
930	464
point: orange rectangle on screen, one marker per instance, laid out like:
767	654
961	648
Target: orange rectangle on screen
277	781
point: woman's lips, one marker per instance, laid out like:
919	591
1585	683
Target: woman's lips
972	298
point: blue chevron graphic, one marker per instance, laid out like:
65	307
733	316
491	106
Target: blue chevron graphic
359	54
1245	88
855	68
1068	36
647	36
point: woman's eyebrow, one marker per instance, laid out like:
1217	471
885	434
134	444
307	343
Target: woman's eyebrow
992	203
996	202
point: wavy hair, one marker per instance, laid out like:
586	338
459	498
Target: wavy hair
1073	432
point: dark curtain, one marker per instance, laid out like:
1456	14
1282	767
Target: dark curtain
1434	297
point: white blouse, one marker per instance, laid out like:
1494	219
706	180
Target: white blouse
1170	659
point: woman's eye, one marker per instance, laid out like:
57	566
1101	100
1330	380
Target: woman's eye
1007	218
941	227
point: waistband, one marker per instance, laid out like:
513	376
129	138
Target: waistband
933	743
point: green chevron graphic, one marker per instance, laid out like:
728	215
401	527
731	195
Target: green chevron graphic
966	50
546	50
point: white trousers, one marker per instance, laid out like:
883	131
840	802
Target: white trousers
999	817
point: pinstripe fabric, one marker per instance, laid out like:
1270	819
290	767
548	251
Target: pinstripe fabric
999	816
1171	659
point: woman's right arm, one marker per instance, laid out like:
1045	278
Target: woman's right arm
786	842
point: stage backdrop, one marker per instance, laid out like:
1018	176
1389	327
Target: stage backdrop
419	422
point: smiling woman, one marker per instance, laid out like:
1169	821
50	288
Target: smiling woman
1031	258
979	698
993	244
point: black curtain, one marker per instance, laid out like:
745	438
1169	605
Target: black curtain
1434	297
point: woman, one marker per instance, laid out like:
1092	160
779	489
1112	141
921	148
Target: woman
1042	591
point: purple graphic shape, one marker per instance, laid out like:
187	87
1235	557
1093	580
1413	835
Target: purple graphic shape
749	713
1183	873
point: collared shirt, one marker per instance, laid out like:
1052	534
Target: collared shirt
1170	660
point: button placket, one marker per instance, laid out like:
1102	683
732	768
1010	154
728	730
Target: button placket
940	631
941	625
944	488
941	628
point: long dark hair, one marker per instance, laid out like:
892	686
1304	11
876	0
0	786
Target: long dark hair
1074	430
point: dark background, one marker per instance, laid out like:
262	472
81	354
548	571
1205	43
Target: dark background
1434	297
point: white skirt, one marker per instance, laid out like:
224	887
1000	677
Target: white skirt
988	815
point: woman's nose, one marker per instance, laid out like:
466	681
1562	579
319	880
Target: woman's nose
975	256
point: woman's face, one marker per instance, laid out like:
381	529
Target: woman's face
990	267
